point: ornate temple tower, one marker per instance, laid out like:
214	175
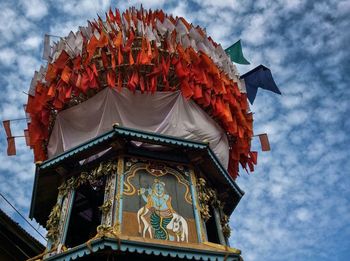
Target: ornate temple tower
138	124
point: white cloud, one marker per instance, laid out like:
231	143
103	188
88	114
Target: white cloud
12	25
297	117
62	29
303	214
7	56
291	101
292	4
343	7
32	42
255	32
181	10
35	9
82	7
26	64
218	3
146	3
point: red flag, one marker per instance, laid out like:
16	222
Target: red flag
7	128
254	156
68	91
61	60
197	92
51	73
111	78
104	59
120	82
26	136
11	146
264	141
186	89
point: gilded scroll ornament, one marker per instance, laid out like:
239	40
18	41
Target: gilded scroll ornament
106	207
208	197
53	223
226	230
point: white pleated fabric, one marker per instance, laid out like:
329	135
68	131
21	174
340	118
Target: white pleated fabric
165	113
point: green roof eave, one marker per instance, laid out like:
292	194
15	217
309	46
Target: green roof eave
122	132
149	137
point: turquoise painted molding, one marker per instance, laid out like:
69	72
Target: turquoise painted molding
195	208
68	215
143	248
121	196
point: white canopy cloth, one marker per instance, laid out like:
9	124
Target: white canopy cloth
165	113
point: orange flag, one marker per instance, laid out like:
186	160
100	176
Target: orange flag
264	141
51	91
91	47
66	74
11	146
7	128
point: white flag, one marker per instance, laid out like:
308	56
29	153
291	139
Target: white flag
47	47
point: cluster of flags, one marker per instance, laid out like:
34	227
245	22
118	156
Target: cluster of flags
103	54
147	51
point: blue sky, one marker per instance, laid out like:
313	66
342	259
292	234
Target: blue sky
296	204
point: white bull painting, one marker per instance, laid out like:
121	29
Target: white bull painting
177	225
158	217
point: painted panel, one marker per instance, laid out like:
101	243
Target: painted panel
157	202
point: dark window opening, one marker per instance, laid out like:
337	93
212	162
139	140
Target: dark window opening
212	230
86	215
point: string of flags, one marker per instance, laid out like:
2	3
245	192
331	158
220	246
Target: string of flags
11	143
260	76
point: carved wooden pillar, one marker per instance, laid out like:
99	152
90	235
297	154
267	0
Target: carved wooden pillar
218	226
58	222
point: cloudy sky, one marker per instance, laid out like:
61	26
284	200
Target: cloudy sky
296	205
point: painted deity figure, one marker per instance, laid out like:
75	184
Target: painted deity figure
159	209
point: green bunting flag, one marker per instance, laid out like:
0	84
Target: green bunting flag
236	54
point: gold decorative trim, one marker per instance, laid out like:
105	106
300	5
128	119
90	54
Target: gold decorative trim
209	197
120	173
